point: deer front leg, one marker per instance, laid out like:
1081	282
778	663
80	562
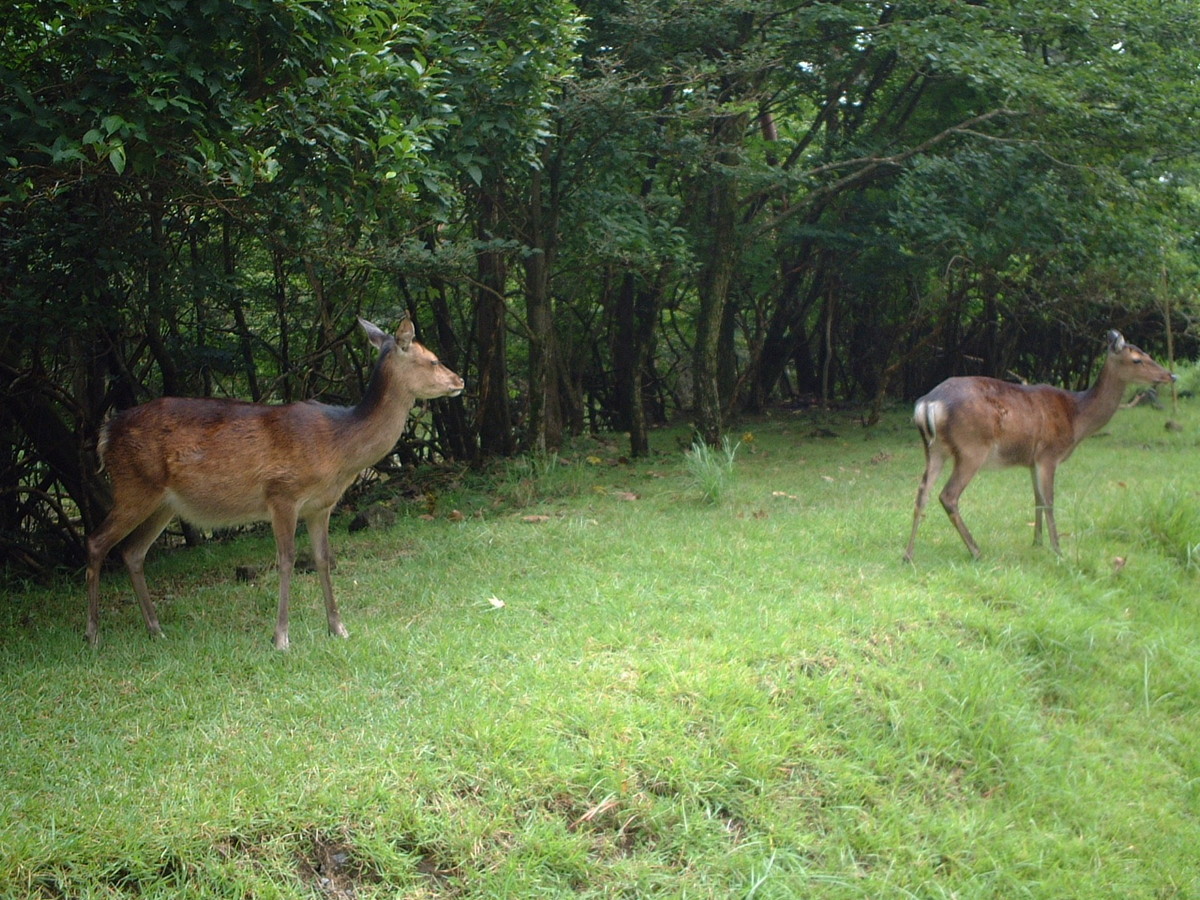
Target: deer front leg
283	523
318	530
1043	494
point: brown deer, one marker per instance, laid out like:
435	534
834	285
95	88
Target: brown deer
227	462
981	422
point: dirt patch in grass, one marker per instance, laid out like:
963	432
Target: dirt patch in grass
333	868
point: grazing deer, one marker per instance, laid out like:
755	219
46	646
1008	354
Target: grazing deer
227	462
981	422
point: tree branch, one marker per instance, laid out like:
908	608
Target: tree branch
867	166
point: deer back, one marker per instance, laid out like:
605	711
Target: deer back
1012	424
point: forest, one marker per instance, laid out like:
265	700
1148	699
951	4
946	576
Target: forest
604	214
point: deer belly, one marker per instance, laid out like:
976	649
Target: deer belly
1002	455
219	508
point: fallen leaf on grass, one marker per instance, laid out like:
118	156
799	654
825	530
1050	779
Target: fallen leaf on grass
496	602
535	520
597	810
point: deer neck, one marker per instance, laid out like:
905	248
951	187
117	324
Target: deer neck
378	418
1098	403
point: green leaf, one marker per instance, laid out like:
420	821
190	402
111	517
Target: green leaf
116	156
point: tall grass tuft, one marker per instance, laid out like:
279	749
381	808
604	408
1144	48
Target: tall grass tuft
536	477
1171	521
711	468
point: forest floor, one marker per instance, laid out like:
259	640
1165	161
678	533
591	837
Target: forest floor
577	676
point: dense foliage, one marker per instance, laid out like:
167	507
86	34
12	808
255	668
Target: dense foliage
603	213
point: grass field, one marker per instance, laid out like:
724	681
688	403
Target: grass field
595	682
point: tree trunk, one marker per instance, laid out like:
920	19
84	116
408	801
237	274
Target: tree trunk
172	379
449	415
719	255
280	286
638	305
495	419
545	411
245	339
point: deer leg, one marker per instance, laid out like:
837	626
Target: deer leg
120	522
1037	507
934	460
964	470
98	546
134	555
318	531
283	524
1043	495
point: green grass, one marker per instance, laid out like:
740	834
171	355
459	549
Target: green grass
594	683
711	468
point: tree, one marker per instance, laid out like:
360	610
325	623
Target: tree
129	130
657	208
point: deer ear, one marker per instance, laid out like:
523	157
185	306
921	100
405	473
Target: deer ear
374	333
404	334
1116	343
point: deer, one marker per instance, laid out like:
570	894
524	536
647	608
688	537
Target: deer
978	422
216	461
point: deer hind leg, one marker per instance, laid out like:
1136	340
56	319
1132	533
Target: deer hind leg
318	531
145	521
1043	498
934	460
134	554
283	524
965	468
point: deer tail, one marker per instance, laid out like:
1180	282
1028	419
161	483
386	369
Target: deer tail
925	416
102	444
